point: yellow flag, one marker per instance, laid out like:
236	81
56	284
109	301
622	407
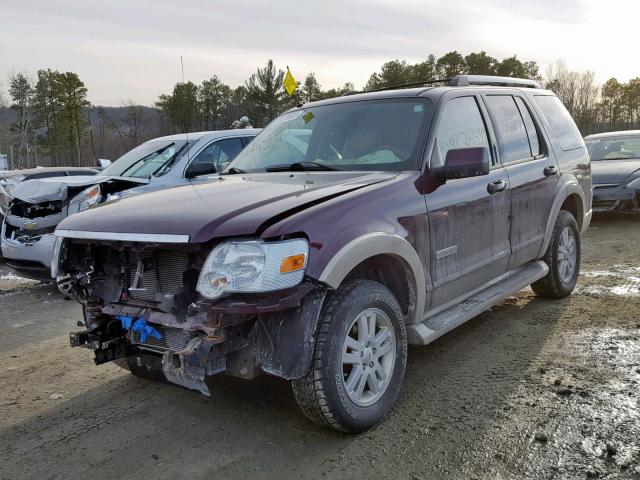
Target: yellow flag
289	83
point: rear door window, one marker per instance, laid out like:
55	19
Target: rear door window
532	131
562	125
79	173
35	176
513	141
461	126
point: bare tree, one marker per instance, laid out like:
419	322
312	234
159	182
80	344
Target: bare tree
578	91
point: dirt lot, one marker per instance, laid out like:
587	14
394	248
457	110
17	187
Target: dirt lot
567	371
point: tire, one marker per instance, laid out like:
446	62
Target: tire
322	393
559	283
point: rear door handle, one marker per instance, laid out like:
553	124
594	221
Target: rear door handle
495	187
550	171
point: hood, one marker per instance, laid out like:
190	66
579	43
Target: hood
230	205
613	171
56	188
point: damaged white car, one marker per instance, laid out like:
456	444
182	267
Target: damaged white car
10	178
38	206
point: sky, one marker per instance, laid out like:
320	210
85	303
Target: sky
130	49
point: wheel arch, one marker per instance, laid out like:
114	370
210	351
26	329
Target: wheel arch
391	253
570	197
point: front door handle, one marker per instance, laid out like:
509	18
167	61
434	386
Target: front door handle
550	171
495	187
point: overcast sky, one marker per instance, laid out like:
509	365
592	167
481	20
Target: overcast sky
130	49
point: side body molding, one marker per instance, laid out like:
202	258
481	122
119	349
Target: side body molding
568	186
379	243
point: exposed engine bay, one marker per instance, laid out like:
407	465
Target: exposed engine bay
141	309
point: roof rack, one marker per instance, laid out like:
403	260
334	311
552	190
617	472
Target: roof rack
466	80
396	87
461	81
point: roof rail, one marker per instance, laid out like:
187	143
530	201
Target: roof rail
466	80
402	85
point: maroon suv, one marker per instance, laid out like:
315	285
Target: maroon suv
346	230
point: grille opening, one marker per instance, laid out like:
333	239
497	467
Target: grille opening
26	236
174	339
604	203
163	273
36	210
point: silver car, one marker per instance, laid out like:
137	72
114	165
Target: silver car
615	166
39	205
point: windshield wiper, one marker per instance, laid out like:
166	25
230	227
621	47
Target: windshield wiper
232	171
301	166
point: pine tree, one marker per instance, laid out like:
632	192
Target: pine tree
22	96
311	90
265	94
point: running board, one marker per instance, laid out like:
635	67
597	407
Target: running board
441	321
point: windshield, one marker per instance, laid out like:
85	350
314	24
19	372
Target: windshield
364	135
615	148
146	160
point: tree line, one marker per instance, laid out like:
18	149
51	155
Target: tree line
47	118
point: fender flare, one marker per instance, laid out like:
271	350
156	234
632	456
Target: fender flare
567	188
379	243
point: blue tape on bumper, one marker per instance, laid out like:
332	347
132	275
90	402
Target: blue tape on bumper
126	321
145	330
140	325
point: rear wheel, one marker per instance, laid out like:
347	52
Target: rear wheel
563	259
359	359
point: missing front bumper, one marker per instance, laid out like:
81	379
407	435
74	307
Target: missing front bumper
188	352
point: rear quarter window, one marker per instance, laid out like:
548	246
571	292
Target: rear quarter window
562	125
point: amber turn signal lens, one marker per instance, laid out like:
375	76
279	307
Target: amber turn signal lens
293	263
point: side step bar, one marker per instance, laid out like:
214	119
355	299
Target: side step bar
439	322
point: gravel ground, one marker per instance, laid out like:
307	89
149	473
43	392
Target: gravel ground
532	389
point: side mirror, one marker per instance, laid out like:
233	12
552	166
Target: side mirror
467	162
104	163
201	168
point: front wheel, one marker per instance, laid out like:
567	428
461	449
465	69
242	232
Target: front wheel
562	257
359	359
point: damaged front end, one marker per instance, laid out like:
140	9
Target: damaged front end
144	308
37	208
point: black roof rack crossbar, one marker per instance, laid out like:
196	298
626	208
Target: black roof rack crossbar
410	85
404	85
466	80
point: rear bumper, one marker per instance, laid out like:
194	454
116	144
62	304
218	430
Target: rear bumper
31	260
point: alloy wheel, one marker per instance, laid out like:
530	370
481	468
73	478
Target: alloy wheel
368	356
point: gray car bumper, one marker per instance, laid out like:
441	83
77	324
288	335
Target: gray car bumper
612	196
31	260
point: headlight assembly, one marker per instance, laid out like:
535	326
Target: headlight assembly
253	266
85	199
634	184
